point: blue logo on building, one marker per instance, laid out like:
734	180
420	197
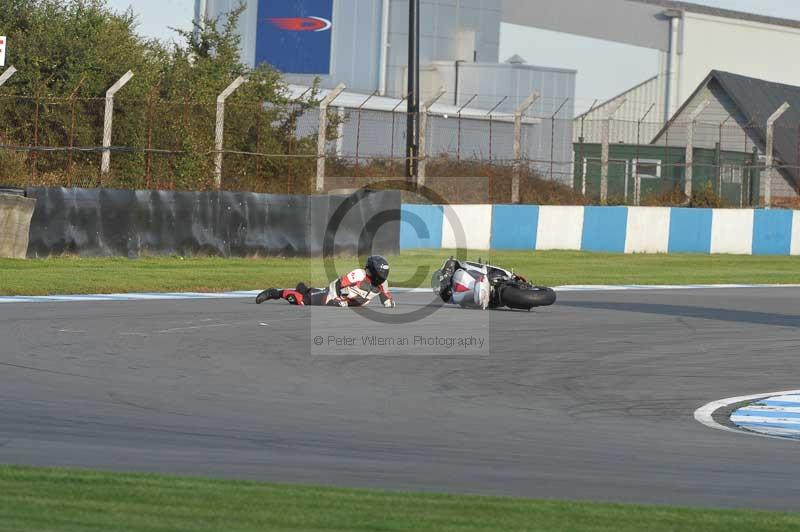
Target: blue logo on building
294	36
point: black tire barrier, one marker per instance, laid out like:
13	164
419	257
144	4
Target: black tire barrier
134	223
526	298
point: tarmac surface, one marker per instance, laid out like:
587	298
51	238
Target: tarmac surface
589	399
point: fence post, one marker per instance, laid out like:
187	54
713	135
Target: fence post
105	163
720	156
605	139
518	143
553	135
219	128
771	152
581	140
687	185
755	178
322	133
10	71
718	165
423	130
637	179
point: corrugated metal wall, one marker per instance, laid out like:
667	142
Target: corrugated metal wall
672	165
638	120
376	135
720	122
489	83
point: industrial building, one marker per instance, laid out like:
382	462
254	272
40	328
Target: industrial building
747	103
692	40
725	123
364	45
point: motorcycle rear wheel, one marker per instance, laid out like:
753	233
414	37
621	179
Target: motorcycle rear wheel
526	298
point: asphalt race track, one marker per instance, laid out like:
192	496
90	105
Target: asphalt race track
590	399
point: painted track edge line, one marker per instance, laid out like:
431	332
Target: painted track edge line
705	413
242	294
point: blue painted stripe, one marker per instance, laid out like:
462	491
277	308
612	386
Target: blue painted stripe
772	232
690	231
604	229
421	226
514	226
778	403
766	413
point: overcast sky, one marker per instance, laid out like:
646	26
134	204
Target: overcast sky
604	69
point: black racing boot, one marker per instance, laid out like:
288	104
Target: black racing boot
268	294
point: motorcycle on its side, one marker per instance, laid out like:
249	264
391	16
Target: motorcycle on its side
477	285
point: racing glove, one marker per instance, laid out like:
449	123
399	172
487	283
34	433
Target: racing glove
389	303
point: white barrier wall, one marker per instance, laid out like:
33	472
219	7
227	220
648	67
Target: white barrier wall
796	234
732	231
648	230
560	228
476	221
607	229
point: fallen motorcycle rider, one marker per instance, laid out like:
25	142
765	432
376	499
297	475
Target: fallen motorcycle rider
355	289
478	285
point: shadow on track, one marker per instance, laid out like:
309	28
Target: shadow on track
685	311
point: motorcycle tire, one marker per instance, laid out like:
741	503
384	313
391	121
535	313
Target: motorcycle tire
526	298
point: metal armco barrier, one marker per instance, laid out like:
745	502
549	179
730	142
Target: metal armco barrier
105	222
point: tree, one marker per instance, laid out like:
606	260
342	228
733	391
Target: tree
69	52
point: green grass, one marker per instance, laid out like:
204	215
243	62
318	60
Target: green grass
49	499
78	276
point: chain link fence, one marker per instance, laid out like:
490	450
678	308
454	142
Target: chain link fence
552	159
718	161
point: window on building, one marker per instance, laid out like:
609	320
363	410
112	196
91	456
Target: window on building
731	173
647	168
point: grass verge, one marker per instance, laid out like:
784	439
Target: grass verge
51	499
171	274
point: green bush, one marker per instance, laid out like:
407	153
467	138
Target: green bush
705	197
68	53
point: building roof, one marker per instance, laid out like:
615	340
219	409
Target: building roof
757	100
356	100
720	12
